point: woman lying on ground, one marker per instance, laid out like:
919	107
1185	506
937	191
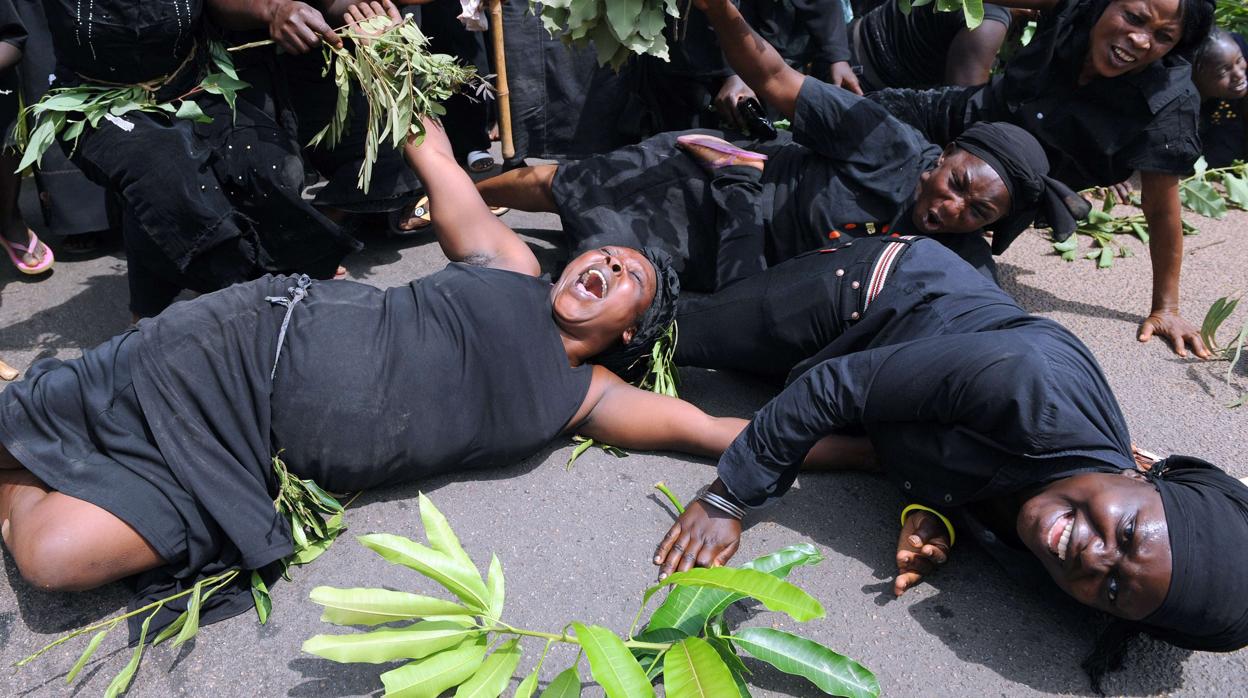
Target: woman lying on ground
1106	87
1000	419
151	454
850	169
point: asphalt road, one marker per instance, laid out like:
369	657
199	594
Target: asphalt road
576	544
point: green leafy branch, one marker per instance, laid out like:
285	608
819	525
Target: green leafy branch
465	644
1231	15
972	10
618	28
65	112
299	501
401	82
1233	350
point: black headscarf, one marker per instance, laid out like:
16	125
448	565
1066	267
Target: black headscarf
1020	161
1206	607
624	360
1207	514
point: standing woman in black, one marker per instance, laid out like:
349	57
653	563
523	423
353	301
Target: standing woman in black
1106	87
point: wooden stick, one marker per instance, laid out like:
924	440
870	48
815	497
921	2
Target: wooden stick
500	86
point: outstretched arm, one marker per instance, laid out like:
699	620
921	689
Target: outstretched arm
1163	212
466	229
622	415
752	58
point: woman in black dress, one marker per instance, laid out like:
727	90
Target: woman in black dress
1106	87
151	453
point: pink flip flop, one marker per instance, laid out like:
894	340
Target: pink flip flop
41	266
720	146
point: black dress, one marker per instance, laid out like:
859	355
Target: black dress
204	205
171	427
1224	125
1096	134
848	169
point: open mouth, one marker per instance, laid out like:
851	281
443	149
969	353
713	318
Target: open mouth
932	220
1058	537
1122	56
594	283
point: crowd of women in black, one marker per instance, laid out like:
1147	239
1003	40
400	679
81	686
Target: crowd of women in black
849	258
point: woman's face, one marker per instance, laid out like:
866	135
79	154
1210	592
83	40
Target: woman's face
601	293
1103	538
962	194
1223	72
1131	34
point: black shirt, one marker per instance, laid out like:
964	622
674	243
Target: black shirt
124	42
1099	133
854	164
802	31
954	419
911	50
1224	125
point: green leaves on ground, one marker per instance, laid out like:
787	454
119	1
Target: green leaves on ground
401	81
972	10
831	672
1233	350
617	28
687	642
66	112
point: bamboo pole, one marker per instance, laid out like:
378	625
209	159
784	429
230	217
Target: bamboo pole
502	93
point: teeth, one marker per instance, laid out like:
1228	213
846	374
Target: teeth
1122	55
601	277
1065	539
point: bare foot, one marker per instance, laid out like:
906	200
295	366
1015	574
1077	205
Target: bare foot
23	237
714	153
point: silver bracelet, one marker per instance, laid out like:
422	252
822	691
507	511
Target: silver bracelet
722	504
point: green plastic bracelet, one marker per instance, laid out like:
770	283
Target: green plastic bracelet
943	519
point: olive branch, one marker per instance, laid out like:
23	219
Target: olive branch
65	112
464	642
300	502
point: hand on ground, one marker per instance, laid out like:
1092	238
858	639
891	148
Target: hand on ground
923	544
1181	333
703	536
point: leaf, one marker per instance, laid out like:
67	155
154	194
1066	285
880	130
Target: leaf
566	685
1106	258
831	672
438	532
728	654
1201	166
1240	402
260	594
461	580
40	139
693	669
494	674
1201	197
775	594
1236	189
188	109
528	686
122	680
613	666
191	625
495	588
413	642
429	677
83	658
581	448
688	608
973	12
377	606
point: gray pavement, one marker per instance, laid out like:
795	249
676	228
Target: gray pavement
576	544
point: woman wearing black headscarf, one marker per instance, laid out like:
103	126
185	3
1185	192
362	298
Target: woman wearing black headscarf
1106	87
151	454
726	213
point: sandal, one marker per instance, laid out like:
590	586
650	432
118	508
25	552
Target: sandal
16	249
480	161
7	372
729	154
418	214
